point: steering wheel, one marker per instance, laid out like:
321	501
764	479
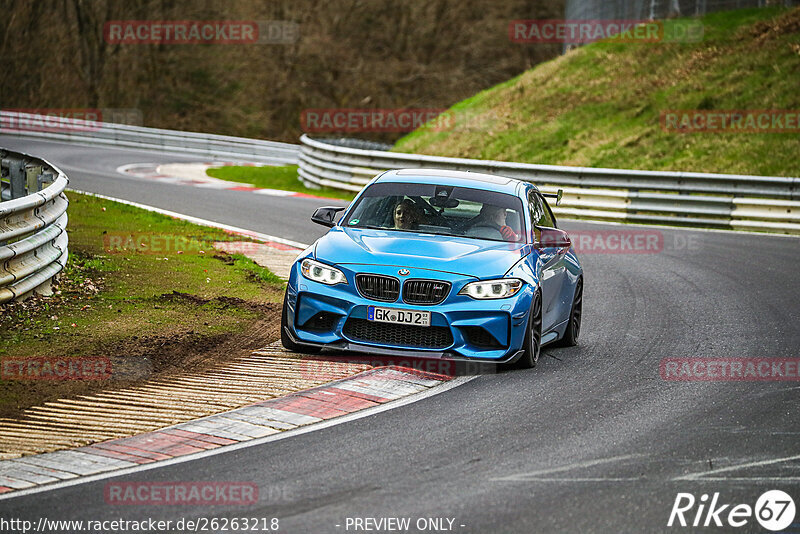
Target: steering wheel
490	226
433	212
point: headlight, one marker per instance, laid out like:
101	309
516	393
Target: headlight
492	289
319	272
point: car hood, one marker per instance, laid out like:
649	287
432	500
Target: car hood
472	257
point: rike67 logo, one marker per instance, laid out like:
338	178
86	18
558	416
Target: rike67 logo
774	510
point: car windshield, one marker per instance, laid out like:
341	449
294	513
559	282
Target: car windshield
439	209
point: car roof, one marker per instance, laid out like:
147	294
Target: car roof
474	180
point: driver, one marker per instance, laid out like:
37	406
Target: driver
406	215
495	217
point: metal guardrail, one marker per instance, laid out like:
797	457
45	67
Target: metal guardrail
33	225
656	9
123	135
728	201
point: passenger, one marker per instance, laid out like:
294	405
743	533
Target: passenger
495	217
406	215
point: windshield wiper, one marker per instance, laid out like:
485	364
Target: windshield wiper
369	227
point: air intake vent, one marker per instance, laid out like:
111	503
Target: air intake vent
376	287
399	335
425	291
480	338
321	322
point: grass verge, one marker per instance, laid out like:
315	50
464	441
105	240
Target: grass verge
282	177
601	105
138	286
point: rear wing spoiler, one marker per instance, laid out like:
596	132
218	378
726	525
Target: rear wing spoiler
556	196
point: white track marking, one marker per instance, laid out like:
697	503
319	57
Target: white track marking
571	480
276	193
771	480
700	476
520	477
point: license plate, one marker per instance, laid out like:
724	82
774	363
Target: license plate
392	315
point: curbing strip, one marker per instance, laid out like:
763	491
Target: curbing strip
194	174
249	423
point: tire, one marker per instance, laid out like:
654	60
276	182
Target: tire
533	335
286	341
573	330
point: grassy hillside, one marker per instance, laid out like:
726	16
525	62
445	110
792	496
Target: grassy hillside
600	105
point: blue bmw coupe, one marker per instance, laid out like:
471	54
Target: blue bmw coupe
437	264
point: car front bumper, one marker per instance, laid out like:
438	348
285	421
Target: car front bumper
461	328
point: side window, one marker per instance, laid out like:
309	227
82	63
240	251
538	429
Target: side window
550	218
540	212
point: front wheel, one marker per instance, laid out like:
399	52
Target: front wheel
533	335
286	341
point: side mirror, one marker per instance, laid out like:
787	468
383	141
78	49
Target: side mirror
552	237
326	216
556	196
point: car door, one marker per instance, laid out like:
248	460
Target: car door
552	264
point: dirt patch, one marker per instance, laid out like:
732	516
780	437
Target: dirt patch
224	302
225	258
784	25
136	359
191	351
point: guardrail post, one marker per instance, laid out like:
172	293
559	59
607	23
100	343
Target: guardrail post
44	178
32	173
45	289
16	178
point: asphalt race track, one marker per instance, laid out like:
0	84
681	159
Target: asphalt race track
592	440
